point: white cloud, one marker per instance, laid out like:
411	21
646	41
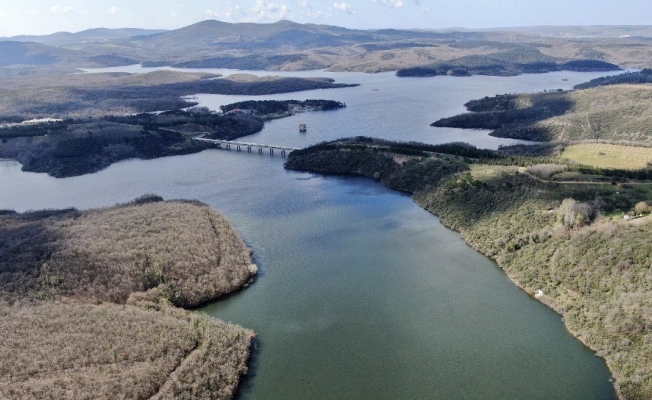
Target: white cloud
262	11
390	3
265	11
2	15
113	10
424	9
344	7
15	9
31	12
173	14
302	3
59	9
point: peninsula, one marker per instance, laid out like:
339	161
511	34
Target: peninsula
105	118
95	302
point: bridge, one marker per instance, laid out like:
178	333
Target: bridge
249	146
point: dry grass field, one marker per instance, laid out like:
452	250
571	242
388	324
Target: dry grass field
609	155
87	303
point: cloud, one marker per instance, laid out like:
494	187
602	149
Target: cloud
59	9
390	3
302	3
344	7
173	14
15	9
261	11
264	10
2	15
113	10
31	12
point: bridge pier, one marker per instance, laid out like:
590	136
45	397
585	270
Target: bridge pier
271	151
282	153
228	146
248	149
260	150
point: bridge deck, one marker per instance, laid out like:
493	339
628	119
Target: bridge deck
247	144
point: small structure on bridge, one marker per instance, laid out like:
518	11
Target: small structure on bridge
303	128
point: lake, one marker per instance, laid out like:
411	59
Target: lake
361	293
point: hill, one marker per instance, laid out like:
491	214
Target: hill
615	113
87	307
287	45
20	53
62	39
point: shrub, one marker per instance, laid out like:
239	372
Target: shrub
545	171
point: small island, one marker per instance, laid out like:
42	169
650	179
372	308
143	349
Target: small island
93	303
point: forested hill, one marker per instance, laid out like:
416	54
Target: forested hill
644	76
616	113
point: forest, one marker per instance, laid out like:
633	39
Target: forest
516	61
91	298
266	107
79	146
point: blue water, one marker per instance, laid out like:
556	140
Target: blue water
362	294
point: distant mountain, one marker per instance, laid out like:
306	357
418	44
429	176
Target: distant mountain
21	53
35	54
595	31
98	35
287	45
281	33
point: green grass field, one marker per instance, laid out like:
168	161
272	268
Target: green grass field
609	155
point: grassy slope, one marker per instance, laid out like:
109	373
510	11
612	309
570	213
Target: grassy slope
597	276
614	113
617	113
87	307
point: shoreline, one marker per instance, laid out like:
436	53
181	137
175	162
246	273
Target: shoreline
499	235
542	299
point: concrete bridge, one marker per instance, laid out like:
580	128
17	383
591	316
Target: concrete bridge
227	144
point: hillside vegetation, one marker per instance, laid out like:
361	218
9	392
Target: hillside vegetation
290	46
79	146
87	302
564	237
615	113
65	95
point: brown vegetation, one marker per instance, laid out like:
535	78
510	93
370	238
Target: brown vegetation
87	302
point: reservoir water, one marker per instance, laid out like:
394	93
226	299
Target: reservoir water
362	294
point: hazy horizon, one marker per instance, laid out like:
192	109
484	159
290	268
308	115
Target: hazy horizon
41	17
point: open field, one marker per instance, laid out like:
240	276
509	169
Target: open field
609	155
87	303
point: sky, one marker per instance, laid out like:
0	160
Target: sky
48	16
